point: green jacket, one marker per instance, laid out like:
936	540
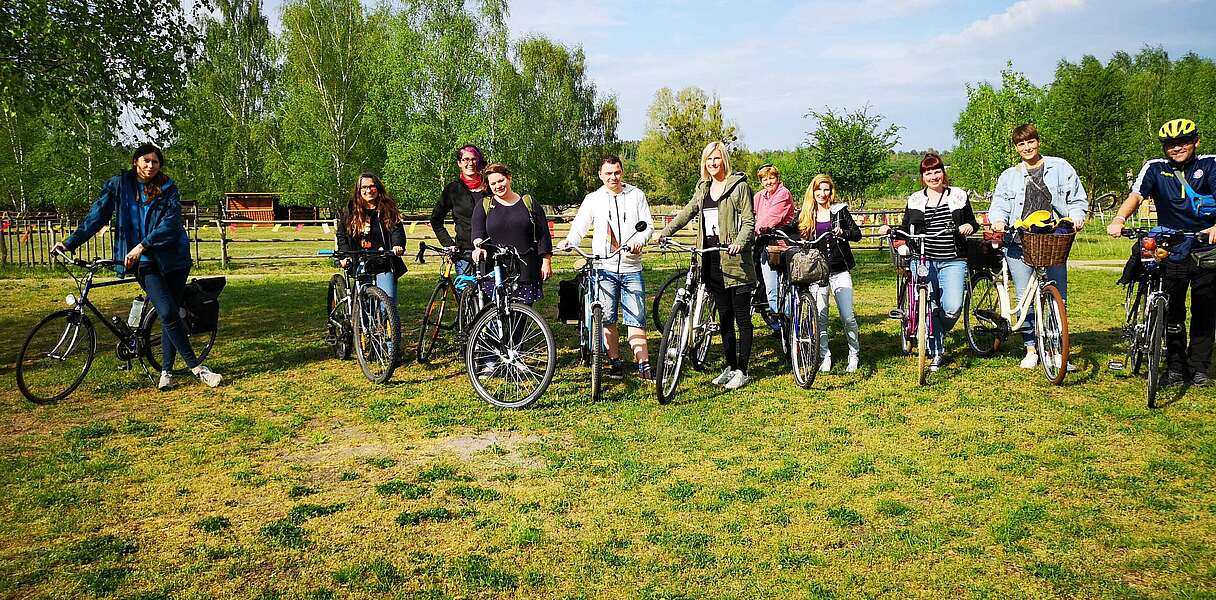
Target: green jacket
736	224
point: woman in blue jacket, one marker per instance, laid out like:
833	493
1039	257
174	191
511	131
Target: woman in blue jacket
151	243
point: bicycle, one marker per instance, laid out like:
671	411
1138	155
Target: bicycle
359	311
916	315
591	329
799	318
511	354
58	352
1145	307
989	319
759	304
690	328
461	289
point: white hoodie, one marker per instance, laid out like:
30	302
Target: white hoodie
618	213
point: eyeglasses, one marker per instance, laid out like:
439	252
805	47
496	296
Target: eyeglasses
1176	143
467	159
367	187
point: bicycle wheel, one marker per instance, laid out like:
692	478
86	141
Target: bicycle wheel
377	334
1135	329
1155	350
803	337
468	312
55	356
150	339
672	349
922	334
432	320
907	324
663	298
901	291
595	335
703	336
1053	334
338	329
981	315
510	370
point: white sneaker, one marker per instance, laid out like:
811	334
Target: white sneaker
825	364
1030	361
852	366
166	381
1071	367
726	375
737	380
207	376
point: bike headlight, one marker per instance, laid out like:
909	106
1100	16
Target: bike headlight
70	300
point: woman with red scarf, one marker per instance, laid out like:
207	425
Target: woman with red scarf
458	199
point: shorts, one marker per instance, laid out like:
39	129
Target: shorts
627	287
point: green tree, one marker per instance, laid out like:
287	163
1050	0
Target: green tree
853	147
223	128
984	127
678	127
1085	119
326	134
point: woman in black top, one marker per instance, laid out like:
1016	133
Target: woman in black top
458	199
508	219
944	213
372	221
820	215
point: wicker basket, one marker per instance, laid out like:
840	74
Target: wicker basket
1046	249
897	261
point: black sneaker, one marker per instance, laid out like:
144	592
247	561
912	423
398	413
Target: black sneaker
616	368
1201	380
1175	378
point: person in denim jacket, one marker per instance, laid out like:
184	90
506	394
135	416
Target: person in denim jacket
1037	183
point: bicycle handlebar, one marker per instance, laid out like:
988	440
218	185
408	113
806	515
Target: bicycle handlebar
804	243
92	265
678	246
580	252
440	250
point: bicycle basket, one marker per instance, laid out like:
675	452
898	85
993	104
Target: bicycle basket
808	267
570	300
898	261
201	304
1046	249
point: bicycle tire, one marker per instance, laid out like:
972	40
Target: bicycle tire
432	321
595	335
1136	308
922	334
672	349
658	303
981	316
901	289
339	329
71	325
1156	348
1053	339
377	334
703	337
907	325
150	340
483	340
466	314
804	341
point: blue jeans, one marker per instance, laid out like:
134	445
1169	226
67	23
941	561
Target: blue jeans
770	281
840	287
387	281
949	278
165	291
1021	276
625	289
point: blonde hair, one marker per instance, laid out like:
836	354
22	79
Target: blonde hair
768	170
709	149
806	221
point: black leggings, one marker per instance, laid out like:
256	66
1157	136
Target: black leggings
734	308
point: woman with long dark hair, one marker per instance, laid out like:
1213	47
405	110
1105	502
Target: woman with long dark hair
151	243
372	221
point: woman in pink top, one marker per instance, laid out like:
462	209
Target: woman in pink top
774	208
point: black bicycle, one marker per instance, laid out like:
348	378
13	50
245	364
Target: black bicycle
362	316
799	318
511	354
454	302
690	328
59	351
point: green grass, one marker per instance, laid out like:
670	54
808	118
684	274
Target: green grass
299	479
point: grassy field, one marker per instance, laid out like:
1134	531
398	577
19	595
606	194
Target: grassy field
298	479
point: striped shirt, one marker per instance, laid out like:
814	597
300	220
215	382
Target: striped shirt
937	220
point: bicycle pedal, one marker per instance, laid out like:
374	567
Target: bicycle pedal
895	314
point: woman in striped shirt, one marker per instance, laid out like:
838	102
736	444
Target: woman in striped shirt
934	210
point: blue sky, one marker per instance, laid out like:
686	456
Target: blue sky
772	61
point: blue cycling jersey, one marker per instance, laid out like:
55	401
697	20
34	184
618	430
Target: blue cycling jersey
1158	181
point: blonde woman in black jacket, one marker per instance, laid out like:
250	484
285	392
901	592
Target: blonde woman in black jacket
819	216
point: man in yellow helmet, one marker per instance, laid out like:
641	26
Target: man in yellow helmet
1037	183
1175	183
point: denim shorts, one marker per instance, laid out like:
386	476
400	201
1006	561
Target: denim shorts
628	288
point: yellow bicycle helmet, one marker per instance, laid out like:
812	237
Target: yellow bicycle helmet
1178	129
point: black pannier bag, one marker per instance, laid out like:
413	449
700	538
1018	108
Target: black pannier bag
981	256
201	304
570	300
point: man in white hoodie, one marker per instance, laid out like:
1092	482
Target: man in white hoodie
614	211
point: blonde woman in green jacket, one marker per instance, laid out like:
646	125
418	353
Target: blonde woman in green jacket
722	206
